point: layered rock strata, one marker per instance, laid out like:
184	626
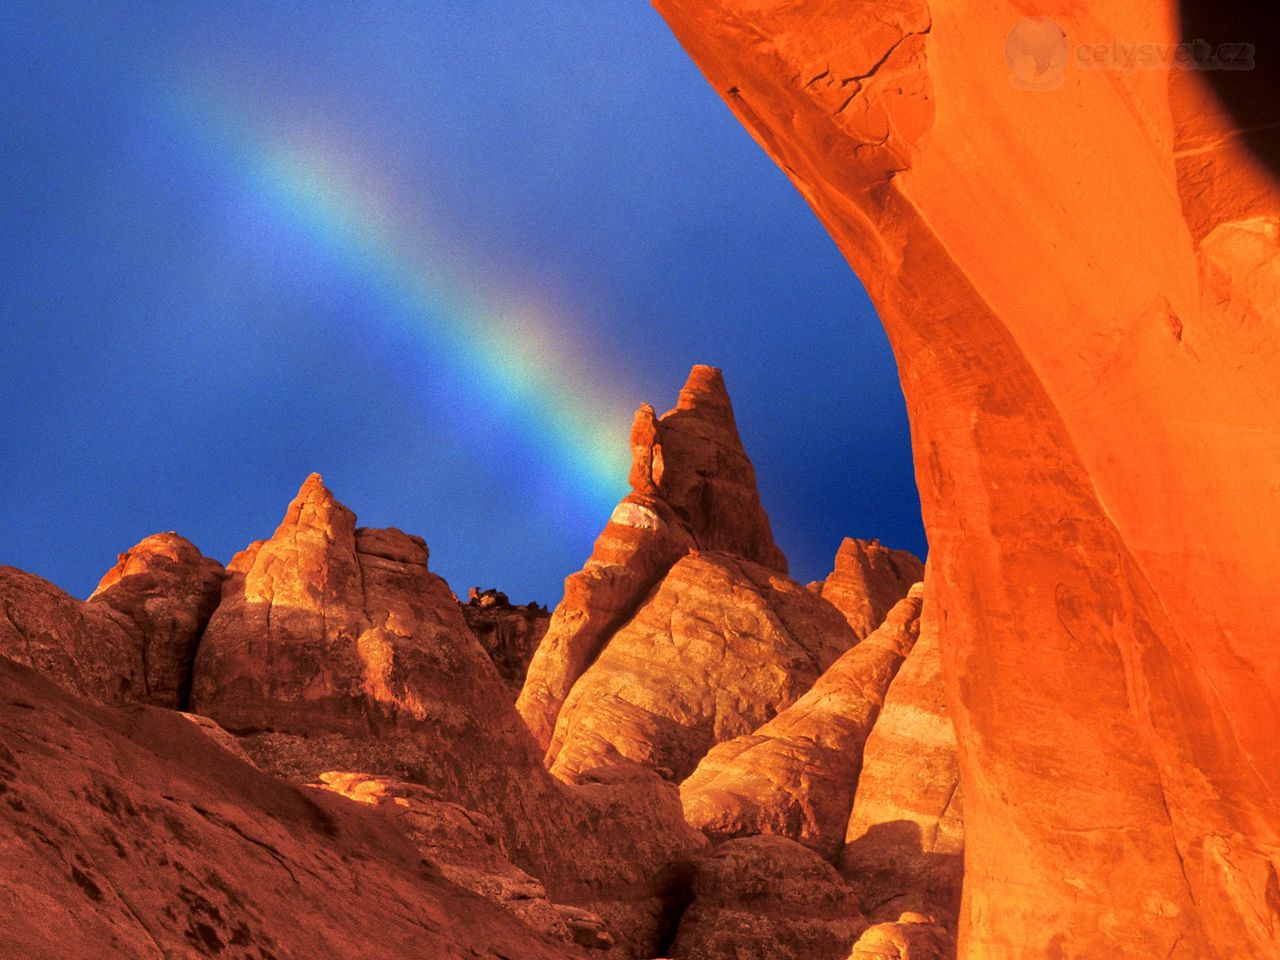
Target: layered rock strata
795	776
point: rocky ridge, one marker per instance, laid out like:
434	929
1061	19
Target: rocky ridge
330	661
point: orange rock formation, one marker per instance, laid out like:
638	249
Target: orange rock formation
335	649
796	775
692	486
1077	268
133	641
904	842
683	630
130	834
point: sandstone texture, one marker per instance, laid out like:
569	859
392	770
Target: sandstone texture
692	487
904	844
719	648
336	649
795	776
509	633
129	834
768	898
868	579
133	641
167	591
683	629
912	936
467	848
1077	267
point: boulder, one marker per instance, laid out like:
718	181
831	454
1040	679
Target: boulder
133	641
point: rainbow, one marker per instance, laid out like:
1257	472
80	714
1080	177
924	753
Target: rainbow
517	361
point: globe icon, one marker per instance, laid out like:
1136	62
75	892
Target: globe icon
1036	50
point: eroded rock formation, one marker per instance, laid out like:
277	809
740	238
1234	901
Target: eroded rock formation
795	776
717	650
467	847
904	843
692	486
912	936
336	649
867	580
683	629
133	641
509	633
129	834
1077	268
768	898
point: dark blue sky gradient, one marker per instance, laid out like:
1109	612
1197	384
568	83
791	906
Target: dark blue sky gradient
172	359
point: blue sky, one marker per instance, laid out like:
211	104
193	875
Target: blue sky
185	338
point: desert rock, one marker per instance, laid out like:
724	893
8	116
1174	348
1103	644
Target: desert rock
467	847
133	641
795	776
720	647
1076	265
692	487
335	648
168	591
868	579
904	845
912	936
509	633
130	834
768	898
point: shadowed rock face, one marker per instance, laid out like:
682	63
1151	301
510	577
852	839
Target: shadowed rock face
133	641
509	633
692	487
467	847
719	648
795	776
129	834
768	898
336	649
1077	270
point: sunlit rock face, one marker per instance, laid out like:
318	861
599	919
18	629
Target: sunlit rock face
720	647
692	486
795	776
904	842
867	580
130	833
133	641
336	651
1077	269
683	629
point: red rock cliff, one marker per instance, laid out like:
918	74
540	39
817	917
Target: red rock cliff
1080	283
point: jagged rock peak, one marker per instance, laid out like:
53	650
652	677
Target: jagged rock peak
692	488
692	458
316	507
